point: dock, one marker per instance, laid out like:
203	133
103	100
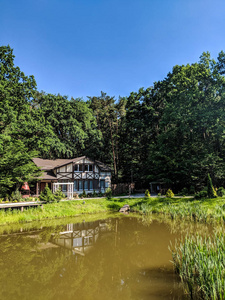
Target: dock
21	205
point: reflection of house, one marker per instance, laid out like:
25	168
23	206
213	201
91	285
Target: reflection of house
81	237
73	175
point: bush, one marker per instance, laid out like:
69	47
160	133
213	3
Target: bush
202	194
95	194
100	194
147	194
58	195
221	191
16	196
108	193
169	193
46	195
83	195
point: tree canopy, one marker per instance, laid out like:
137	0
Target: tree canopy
173	131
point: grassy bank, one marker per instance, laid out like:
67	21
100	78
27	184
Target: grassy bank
200	263
63	209
208	210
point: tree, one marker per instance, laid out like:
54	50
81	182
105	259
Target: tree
108	114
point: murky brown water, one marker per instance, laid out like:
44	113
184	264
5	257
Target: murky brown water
115	258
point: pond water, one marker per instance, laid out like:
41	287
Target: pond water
123	257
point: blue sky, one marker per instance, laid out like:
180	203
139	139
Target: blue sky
79	48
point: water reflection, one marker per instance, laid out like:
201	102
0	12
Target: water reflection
106	259
81	237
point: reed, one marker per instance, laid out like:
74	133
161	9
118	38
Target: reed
200	263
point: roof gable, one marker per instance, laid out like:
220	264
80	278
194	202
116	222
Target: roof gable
48	164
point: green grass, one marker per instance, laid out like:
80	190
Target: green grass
63	209
207	210
200	263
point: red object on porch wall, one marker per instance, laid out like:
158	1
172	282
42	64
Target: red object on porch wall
25	190
25	187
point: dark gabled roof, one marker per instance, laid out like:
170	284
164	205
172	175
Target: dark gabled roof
48	164
48	175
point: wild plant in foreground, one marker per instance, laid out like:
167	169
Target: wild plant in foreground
200	263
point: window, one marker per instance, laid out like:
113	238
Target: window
86	185
75	185
88	168
78	168
102	184
91	185
80	185
64	188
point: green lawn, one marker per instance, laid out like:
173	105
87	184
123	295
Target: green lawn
197	210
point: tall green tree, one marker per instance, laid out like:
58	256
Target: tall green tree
108	114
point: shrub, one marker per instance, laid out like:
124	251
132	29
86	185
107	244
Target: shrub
58	195
108	193
202	194
169	193
46	195
147	194
16	196
221	191
211	190
95	194
100	194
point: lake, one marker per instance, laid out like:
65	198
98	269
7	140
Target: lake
114	257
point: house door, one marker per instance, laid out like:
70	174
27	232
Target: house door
42	186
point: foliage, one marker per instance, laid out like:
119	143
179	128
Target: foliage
169	193
46	195
108	193
210	189
176	127
147	194
16	196
83	194
201	195
58	195
200	264
221	192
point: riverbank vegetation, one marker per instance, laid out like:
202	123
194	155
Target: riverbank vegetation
203	210
172	132
200	263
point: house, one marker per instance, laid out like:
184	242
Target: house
73	175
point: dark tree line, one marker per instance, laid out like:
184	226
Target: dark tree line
172	132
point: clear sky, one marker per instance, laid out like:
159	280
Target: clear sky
79	48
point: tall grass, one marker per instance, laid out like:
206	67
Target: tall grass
200	263
210	211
